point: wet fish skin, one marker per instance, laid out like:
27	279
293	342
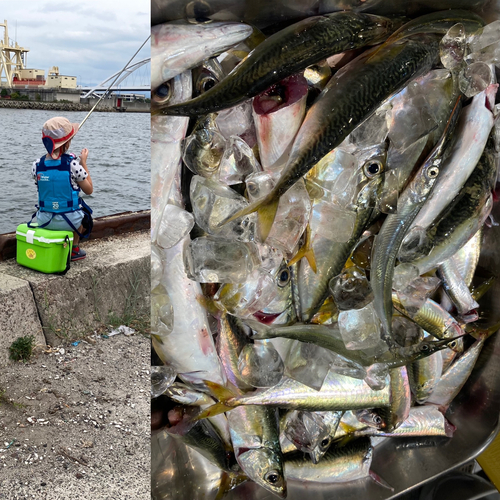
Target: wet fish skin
285	53
329	338
255	436
395	227
455	377
201	435
455	287
351	96
424	375
315	288
339	464
463	217
231	340
178	46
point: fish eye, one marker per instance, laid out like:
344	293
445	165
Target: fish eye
162	93
372	168
272	477
325	442
453	344
424	347
432	172
377	419
284	277
206	83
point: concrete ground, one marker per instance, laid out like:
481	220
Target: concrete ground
74	422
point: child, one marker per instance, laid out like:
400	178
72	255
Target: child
59	177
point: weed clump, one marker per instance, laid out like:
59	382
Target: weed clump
22	348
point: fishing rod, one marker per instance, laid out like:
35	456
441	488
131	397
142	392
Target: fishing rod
107	90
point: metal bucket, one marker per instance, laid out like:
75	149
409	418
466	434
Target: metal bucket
179	473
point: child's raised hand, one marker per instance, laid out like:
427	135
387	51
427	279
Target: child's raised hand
84	154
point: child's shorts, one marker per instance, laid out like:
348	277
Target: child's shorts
58	223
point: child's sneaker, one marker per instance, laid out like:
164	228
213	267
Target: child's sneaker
77	254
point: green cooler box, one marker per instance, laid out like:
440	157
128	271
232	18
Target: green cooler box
43	250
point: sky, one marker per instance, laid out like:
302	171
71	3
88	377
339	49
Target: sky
90	40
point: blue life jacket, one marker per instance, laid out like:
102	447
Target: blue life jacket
55	192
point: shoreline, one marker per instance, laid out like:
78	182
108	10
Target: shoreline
64	106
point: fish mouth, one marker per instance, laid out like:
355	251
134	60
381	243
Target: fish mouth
266	318
280	95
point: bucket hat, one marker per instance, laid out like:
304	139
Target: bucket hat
56	132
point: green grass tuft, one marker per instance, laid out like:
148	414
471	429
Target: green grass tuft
22	348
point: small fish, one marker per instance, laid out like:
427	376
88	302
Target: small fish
287	52
178	46
255	436
351	96
395	226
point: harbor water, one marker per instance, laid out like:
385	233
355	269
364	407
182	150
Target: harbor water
119	161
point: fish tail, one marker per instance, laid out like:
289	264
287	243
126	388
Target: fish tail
306	251
482	333
223	394
480	290
212	411
266	214
229	481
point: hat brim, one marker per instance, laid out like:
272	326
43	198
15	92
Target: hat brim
58	143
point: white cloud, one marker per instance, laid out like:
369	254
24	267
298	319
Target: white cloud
90	40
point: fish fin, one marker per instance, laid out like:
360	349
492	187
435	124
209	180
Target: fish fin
266	214
306	251
380	481
260	331
481	333
219	391
229	481
479	291
212	411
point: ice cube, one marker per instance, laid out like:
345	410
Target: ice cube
351	289
162	312
214	202
238	161
360	328
238	121
417	292
475	78
483	38
374	130
452	47
309	364
202	151
162	377
259	185
245	299
260	365
306	429
411	120
404	274
213	260
377	376
156	266
332	222
175	223
291	218
344	366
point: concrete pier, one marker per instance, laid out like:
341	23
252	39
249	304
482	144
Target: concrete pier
113	280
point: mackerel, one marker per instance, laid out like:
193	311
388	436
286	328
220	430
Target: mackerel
287	52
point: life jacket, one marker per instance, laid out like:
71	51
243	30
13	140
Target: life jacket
55	191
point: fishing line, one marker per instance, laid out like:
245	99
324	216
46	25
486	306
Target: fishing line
107	90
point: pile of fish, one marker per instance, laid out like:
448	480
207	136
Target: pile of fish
318	200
